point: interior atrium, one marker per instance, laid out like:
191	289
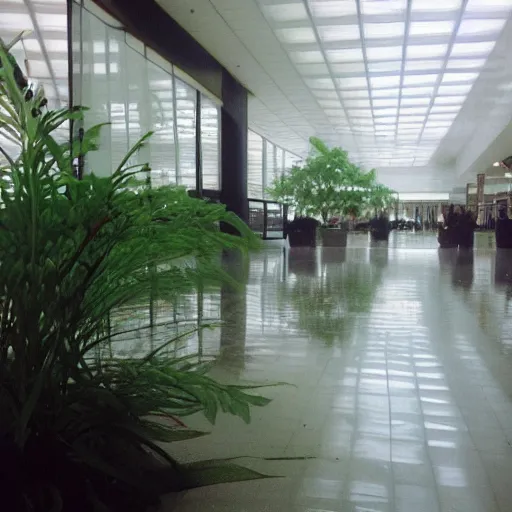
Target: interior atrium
336	184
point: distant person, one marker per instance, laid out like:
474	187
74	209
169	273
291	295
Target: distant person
450	219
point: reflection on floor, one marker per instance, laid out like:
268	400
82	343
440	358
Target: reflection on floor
401	366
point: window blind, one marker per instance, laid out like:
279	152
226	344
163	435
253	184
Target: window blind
210	144
185	98
255	166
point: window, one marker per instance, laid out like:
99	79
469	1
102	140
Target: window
255	166
270	166
135	92
162	144
210	144
185	98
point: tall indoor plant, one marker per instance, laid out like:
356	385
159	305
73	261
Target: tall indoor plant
326	187
79	428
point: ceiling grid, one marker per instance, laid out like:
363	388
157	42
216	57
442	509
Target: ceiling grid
400	70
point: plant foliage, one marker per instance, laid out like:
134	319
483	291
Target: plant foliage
328	185
380	197
79	430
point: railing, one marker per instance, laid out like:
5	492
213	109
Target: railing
267	218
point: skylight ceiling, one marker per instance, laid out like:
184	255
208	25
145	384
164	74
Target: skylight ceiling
42	53
394	74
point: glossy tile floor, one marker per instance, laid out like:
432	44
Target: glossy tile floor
400	360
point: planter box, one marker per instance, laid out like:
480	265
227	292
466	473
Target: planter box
380	235
334	237
446	238
504	234
305	238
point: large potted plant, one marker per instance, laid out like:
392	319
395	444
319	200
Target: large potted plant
379	199
81	428
327	187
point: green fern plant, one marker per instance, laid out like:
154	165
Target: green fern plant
79	429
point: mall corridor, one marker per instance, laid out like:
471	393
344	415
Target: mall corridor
398	361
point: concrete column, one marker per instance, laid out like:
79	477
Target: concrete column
234	147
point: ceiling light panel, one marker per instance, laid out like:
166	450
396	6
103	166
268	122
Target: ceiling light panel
384	52
319	83
308	57
454	90
298	35
357	103
385	67
465	64
357	94
387	7
410	119
313	69
286	12
437	125
455	78
380	82
443	109
332	8
480	49
345	55
335	112
442	117
481	27
329	103
361	121
426	51
418	91
450	100
382	103
337	33
431	28
349	68
357	82
324	93
383	121
488	6
412	80
423	65
415	101
413	110
435	6
385	93
385	112
384	30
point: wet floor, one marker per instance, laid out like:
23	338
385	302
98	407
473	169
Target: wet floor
399	360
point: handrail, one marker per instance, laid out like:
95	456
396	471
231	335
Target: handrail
269	223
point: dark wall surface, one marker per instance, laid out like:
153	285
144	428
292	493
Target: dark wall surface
234	147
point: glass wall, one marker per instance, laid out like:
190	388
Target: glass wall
133	89
266	162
